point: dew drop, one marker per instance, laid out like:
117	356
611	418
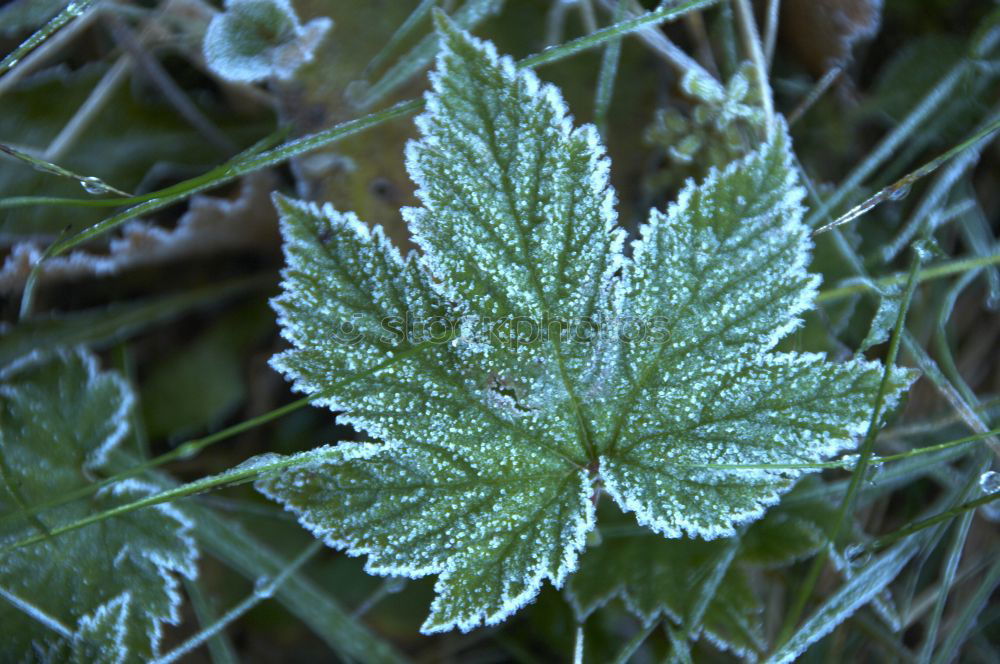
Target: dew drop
263	587
899	193
989	482
93	185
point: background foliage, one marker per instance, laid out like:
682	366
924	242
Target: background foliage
177	302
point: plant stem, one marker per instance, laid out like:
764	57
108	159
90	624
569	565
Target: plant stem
771	30
751	40
947	269
606	77
72	10
893	191
265	591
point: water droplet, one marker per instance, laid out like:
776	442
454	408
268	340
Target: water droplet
93	185
899	193
872	474
263	587
989	482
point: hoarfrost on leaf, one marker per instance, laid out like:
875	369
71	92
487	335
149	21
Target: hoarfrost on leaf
650	376
256	40
103	592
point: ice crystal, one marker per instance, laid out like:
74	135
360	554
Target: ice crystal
521	360
255	40
103	592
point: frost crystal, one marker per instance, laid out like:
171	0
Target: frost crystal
100	593
522	360
254	40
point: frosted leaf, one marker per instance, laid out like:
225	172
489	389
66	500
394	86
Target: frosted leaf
776	409
518	215
256	40
889	301
103	592
210	225
491	448
492	532
793	530
664	578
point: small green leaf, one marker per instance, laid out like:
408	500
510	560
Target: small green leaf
255	40
103	591
791	531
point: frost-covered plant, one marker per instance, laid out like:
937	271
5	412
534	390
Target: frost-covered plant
522	364
99	594
721	127
257	40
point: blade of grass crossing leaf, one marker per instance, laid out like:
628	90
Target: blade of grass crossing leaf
264	588
939	271
866	453
219	648
246	472
633	644
606	77
846	600
252	559
72	10
680	647
186	450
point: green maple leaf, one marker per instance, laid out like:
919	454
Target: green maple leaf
522	360
103	592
